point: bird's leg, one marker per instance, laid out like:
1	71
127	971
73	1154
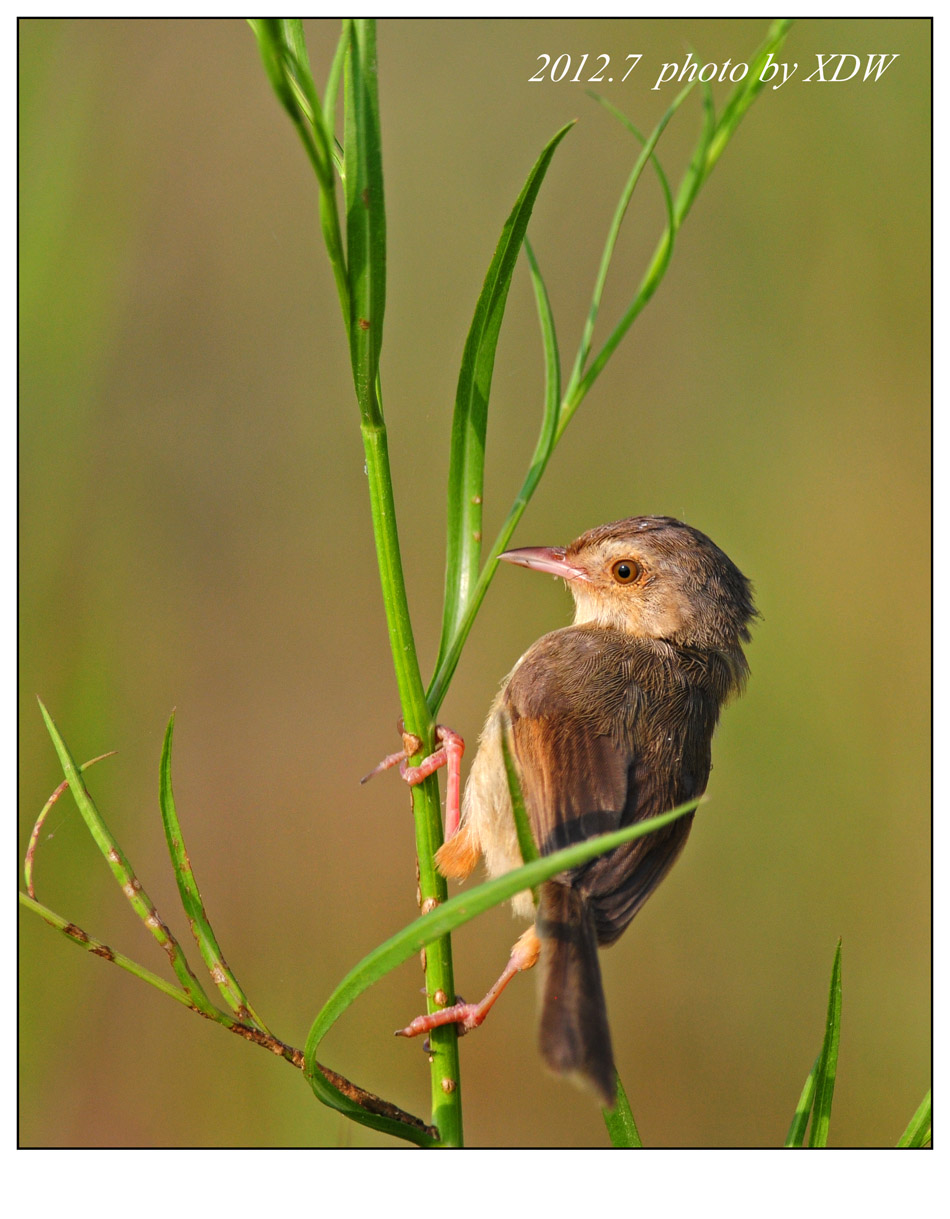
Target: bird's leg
449	755
470	1015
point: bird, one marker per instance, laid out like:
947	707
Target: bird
609	722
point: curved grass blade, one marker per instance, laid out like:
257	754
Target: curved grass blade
364	1100
696	171
283	52
621	1127
646	154
581	382
461	909
41	819
326	1091
827	1065
919	1130
139	900
470	419
450	653
194	908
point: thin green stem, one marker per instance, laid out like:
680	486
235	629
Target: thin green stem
100	949
427	810
396	1120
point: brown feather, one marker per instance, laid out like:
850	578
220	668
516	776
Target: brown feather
610	722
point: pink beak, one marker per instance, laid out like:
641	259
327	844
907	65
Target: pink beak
549	559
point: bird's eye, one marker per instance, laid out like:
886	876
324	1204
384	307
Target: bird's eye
625	571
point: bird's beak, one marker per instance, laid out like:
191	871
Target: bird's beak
545	558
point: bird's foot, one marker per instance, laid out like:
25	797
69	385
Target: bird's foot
449	755
469	1016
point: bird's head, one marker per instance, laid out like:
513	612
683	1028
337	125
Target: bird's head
653	577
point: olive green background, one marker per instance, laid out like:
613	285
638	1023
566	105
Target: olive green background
195	534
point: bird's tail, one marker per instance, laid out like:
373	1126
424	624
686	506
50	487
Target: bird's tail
574	1035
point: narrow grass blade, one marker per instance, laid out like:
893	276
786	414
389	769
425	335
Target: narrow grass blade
41	820
526	843
365	215
470	420
552	358
621	1127
745	92
827	1065
123	873
194	908
646	155
283	52
449	653
366	1101
461	909
696	171
919	1130
580	381
331	93
796	1132
77	936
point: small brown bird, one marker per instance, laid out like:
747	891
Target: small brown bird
609	721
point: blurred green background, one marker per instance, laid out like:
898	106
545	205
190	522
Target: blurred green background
196	534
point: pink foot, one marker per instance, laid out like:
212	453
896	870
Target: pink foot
470	1015
448	755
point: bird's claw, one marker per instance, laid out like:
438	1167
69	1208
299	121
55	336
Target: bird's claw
449	755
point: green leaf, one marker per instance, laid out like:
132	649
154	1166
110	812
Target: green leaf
919	1130
41	819
365	215
745	92
191	900
470	420
827	1065
450	652
458	910
621	1127
580	381
121	869
796	1132
284	54
646	155
526	843
77	936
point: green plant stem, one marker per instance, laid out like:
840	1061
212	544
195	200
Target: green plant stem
399	1121
439	975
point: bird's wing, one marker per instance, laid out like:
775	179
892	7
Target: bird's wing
572	736
582	768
